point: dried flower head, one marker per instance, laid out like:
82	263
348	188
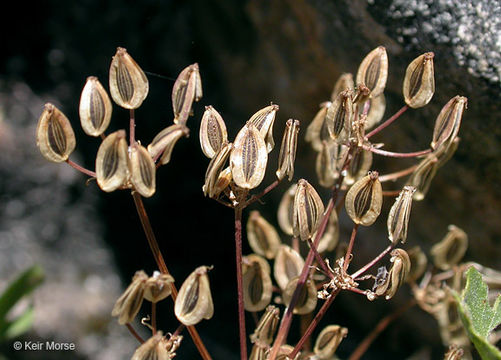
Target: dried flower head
265	329
373	71
142	170
194	301
288	264
307	300
448	122
262	236
396	276
112	162
343	83
398	219
55	136
288	148
158	287
213	134
263	120
340	116
128	83
449	252
95	107
256	282
308	210
248	158
129	303
423	175
419	81
328	341
364	200
286	210
186	89
163	143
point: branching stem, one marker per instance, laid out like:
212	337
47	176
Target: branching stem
241	310
387	122
81	168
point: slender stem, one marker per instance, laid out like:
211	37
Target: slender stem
372	262
357	290
241	311
383	324
132	128
295	244
395	154
321	262
387	122
391	192
134	333
154	317
313	324
256	197
394	176
157	254
350	247
178	330
81	168
305	321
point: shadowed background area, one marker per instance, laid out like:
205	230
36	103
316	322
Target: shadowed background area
250	53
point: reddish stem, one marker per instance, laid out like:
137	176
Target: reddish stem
154	317
132	128
387	122
394	176
134	333
241	311
395	154
370	264
320	261
255	198
81	168
350	247
391	192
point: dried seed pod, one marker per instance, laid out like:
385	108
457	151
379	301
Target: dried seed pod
263	120
343	83
163	144
362	94
95	107
364	199
128	83
213	187
284	351
259	352
360	164
377	107
55	136
111	162
326	164
448	122
396	276
373	71
194	301
418	263
449	252
265	329
307	297
286	210
398	219
328	341
444	153
423	175
213	134
317	130
142	170
248	158
256	283
288	148
153	349
158	287
308	210
330	238
223	181
340	116
288	264
262	236
186	89
419	81
129	303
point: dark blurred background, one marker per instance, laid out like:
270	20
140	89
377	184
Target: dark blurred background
250	53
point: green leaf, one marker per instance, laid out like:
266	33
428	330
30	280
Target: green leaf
478	318
19	325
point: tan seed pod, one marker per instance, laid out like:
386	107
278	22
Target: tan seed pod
128	83
194	301
373	71
262	236
187	88
284	351
163	144
419	261
377	107
248	158
256	283
153	349
343	83
213	134
330	238
263	120
328	341
448	122
285	210
419	81
326	164
396	276
423	175
317	130
288	148
111	162
307	300
129	303
288	264
142	170
398	219
158	287
445	153
55	136
449	252
266	327
360	164
258	352
364	200
215	177
308	210
339	117
95	107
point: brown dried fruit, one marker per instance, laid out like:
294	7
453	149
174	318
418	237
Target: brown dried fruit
288	148
262	236
286	210
307	300
308	210
129	303
317	130
449	252
340	116
328	341
377	107
217	179
373	71
111	162
360	164
158	287
155	348
95	107
326	164
398	219
418	263
364	200
448	122
396	276
330	238
288	264
163	144
423	175
343	83
256	283
186	89
263	120
213	134
419	81
265	329
142	170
